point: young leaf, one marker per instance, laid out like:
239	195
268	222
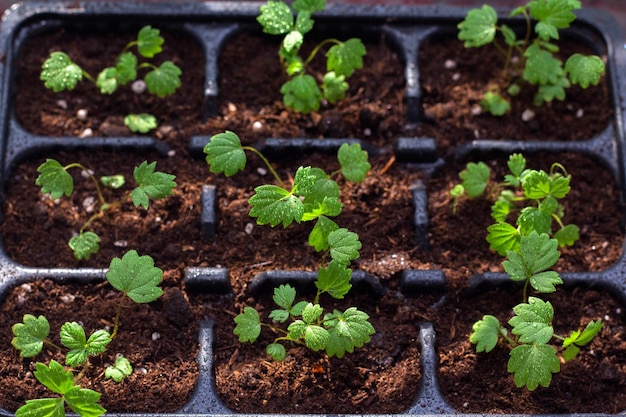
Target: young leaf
30	335
276	18
305	179
536	253
567	235
140	123
42	407
352	326
120	370
584	70
334	87
578	339
155	185
552	15
302	94
54	179
479	27
54	377
334	279
84	401
495	104
136	276
485	333
344	58
316	337
533	365
149	41
225	154
84	245
344	246
107	80
60	73
503	237
311	313
318	238
272	204
113	181
276	351
293	41
126	68
353	161
541	66
304	23
532	321
73	337
284	296
248	325
310	6
475	177
164	80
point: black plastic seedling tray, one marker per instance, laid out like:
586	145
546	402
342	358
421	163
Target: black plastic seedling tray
212	24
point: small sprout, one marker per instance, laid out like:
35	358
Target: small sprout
530	253
137	278
314	196
54	179
60	73
82	401
531	60
303	92
120	370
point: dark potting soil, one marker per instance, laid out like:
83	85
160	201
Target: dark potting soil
373	379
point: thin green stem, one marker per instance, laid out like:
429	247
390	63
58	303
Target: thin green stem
317	49
118	313
52	344
82	371
266	162
89	77
91	177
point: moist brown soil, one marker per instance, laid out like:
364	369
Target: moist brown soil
382	377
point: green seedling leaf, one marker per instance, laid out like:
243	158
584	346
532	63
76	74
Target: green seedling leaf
533	365
316	337
73	337
479	27
275	18
334	279
344	246
83	402
310	6
164	80
344	58
353	161
532	321
149	41
537	253
318	238
485	333
136	276
500	210
54	377
304	23
30	335
107	80
140	123
120	370
155	185
225	154
248	325
544	282
42	407
534	218
113	181
54	179
567	235
509	35
584	70
538	185
84	245
495	104
302	94
576	340
305	179
311	313
551	15
329	206
542	67
60	73
348	330
334	87
276	351
475	178
293	41
284	296
126	68
272	204
503	237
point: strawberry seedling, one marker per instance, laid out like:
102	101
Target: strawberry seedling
302	92
136	278
60	73
529	59
55	180
313	196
